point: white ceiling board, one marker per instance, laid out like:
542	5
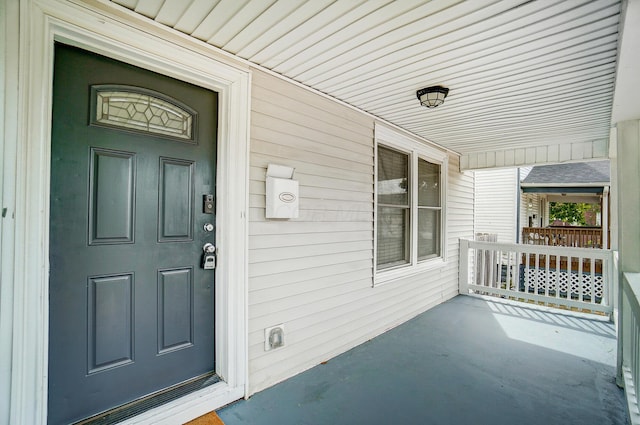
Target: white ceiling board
346	40
302	13
380	36
149	7
521	73
242	19
312	30
131	4
217	18
171	11
197	12
422	40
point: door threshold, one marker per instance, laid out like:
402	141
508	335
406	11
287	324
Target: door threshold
151	401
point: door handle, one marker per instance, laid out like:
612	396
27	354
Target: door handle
209	256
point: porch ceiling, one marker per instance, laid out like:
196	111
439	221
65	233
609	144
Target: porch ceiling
522	74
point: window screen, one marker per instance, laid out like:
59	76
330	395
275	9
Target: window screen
393	219
429	199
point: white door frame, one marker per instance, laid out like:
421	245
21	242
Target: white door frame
97	29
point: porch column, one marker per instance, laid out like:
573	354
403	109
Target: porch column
625	181
628	181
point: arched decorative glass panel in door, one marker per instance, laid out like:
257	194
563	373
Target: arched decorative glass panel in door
138	109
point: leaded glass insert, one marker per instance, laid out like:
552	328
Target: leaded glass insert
135	108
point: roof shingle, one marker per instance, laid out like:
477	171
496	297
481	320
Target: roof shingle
588	173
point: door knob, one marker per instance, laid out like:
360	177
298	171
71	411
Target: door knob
209	248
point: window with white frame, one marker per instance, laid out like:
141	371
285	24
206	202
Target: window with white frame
410	177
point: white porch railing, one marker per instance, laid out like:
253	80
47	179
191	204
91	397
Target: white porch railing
569	277
630	340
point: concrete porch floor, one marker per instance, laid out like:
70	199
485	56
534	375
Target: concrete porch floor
467	361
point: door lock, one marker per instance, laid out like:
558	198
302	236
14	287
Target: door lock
207	204
209	256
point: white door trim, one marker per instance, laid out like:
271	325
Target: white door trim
42	23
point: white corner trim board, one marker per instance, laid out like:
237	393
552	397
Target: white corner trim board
42	23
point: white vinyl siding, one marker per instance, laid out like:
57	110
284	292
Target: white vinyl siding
315	273
496	202
525	209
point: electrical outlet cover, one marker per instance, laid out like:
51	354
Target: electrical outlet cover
267	337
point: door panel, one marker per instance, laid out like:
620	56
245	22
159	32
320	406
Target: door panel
110	322
175	208
175	309
131	310
112	196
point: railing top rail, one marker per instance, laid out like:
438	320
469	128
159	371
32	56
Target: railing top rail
567	228
583	237
564	251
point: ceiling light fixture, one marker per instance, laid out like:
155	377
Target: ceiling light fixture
432	96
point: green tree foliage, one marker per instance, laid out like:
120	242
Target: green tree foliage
571	212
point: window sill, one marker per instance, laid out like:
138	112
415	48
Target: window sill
384	277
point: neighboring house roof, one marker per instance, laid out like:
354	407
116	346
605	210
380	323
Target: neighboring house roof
583	174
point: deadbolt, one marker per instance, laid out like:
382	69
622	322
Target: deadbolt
207	204
208	227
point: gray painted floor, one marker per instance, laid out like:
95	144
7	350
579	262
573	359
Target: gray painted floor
467	361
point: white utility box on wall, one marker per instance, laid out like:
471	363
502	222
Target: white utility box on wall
281	192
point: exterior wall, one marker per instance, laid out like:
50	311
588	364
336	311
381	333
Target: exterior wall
529	206
314	274
496	193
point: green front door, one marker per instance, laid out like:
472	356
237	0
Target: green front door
131	309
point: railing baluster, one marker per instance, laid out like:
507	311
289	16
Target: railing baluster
608	269
499	268
465	267
515	271
636	357
560	275
558	263
521	271
490	265
536	274
509	272
546	276
482	279
580	280
592	280
527	279
569	277
635	360
633	350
